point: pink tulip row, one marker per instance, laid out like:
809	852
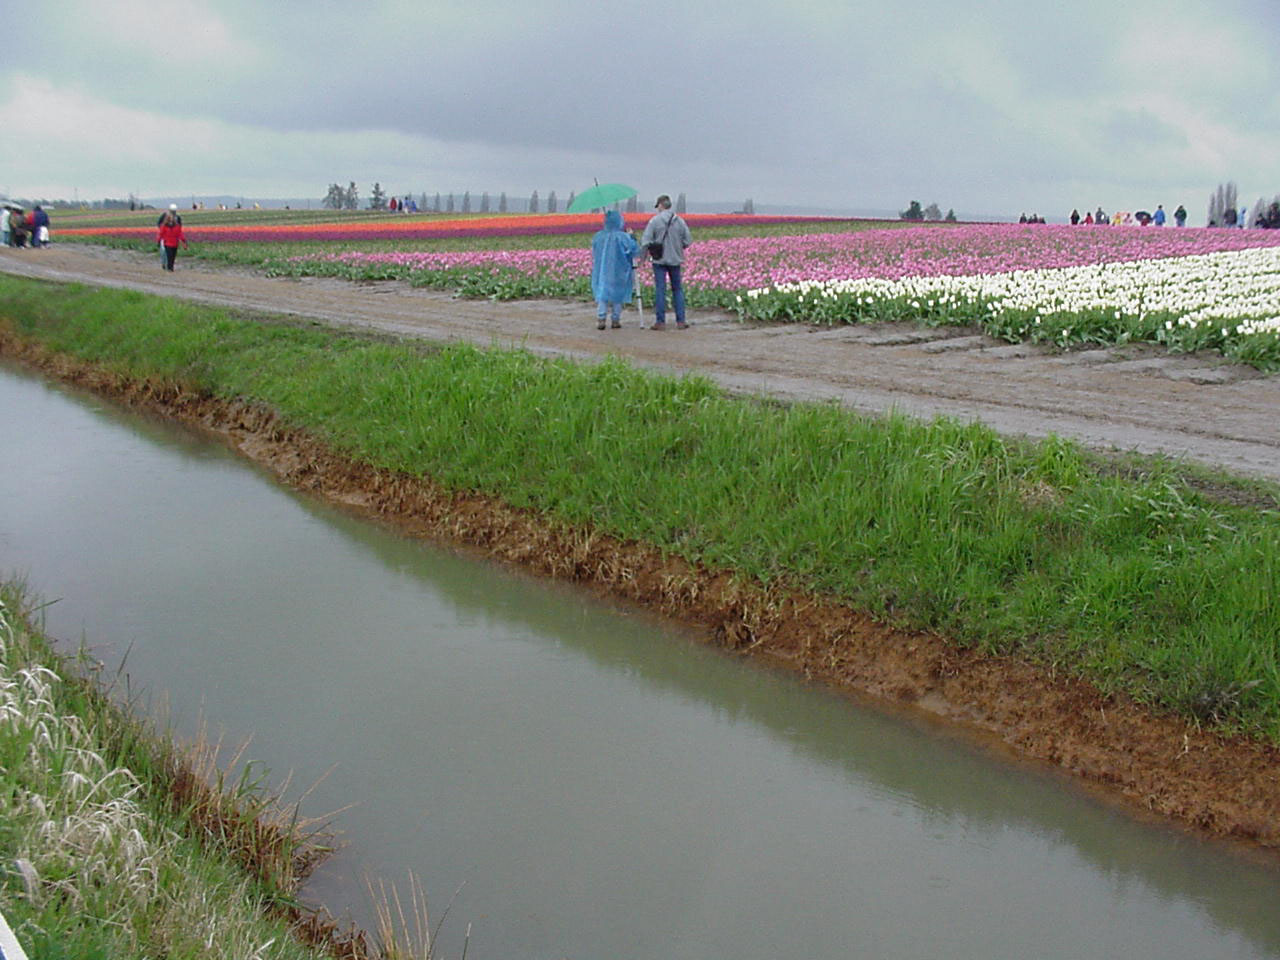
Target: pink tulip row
971	249
751	262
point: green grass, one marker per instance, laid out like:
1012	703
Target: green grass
1127	573
103	857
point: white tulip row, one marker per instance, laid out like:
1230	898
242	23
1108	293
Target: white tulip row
1240	287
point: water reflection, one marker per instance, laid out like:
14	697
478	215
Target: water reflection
604	786
948	786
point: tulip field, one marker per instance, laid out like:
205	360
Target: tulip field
346	228
1068	286
1188	289
1228	300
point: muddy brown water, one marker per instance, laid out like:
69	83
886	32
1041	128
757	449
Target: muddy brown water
591	782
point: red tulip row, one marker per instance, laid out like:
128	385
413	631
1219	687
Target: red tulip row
425	228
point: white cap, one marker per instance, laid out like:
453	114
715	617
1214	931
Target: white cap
173	206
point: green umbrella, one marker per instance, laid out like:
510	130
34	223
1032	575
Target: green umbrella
601	195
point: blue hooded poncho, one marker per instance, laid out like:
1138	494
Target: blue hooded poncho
612	252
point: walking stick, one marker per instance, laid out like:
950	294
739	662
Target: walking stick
635	286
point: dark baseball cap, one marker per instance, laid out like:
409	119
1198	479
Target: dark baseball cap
663	200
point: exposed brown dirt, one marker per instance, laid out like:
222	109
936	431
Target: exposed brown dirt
1155	765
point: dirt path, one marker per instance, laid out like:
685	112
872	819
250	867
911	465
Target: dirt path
1130	398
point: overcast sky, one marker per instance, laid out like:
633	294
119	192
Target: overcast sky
991	107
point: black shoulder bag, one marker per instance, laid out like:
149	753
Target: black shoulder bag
657	246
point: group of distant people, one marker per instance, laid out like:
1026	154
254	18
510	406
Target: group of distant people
30	228
1119	218
24	228
407	205
1123	217
1267	218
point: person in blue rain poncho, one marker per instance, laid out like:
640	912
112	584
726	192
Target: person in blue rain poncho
613	253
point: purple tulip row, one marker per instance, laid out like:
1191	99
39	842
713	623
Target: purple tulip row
745	263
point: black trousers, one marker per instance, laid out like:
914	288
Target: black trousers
170	255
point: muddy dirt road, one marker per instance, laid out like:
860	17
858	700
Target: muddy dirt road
1131	398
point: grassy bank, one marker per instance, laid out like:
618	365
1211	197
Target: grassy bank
1126	573
112	845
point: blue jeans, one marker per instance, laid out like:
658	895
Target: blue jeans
614	309
660	273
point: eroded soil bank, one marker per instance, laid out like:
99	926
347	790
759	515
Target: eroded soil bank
1155	765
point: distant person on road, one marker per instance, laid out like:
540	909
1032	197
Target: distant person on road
17	228
1100	217
666	236
1180	216
172	212
1158	217
39	227
1075	217
613	273
170	235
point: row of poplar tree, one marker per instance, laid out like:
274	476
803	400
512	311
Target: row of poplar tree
1223	210
348	198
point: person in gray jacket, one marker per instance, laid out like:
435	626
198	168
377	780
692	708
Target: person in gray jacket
669	230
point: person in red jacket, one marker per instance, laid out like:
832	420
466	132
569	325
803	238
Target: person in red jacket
170	235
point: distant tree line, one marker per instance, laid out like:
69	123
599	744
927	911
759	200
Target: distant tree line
348	198
931	212
108	203
1225	212
340	199
1222	206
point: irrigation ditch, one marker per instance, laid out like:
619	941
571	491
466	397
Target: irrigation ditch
1156	766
